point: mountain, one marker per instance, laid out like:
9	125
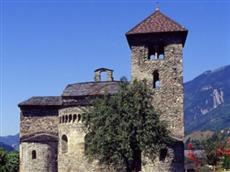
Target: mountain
12	141
6	147
207	101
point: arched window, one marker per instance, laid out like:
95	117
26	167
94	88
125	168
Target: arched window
79	117
70	118
63	119
66	118
156	79
64	144
156	53
34	154
74	117
163	154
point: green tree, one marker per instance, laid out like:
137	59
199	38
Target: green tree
124	126
12	164
226	162
9	161
3	159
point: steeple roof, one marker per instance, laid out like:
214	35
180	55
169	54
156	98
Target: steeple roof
156	23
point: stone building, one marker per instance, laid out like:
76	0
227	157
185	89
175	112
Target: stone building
51	134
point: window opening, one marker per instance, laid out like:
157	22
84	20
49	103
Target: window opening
163	154
70	118
103	76
161	56
156	53
64	144
74	117
156	79
34	154
79	117
66	118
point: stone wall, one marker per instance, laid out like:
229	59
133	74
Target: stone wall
172	162
38	120
72	159
167	99
45	159
38	131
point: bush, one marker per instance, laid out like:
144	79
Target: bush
226	162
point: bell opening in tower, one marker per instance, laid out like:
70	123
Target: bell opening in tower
156	53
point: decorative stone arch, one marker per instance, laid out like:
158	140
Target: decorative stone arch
98	72
79	117
63	119
70	117
66	118
64	144
74	117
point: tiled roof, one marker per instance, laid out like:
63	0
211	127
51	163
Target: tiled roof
91	88
42	101
40	137
156	23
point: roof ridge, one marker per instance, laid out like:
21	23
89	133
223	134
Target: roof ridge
43	96
142	22
89	82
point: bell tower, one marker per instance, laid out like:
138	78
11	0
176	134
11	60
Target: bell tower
156	45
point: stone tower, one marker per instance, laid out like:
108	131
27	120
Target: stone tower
71	140
156	45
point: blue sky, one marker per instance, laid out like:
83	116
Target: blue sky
46	45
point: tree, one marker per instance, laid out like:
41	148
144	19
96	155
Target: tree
9	161
210	148
3	159
226	162
12	164
122	127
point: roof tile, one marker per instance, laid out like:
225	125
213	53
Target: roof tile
42	101
156	23
91	88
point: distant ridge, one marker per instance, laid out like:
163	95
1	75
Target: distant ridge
207	101
11	140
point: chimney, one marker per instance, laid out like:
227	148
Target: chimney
109	72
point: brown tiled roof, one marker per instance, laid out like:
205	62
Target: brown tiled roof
156	23
91	88
42	101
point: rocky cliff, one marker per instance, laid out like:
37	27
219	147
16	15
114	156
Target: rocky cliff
207	101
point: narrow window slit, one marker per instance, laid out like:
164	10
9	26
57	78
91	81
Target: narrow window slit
156	80
34	154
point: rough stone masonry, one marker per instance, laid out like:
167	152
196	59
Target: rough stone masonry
51	134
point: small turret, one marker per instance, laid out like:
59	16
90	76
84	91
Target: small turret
98	72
